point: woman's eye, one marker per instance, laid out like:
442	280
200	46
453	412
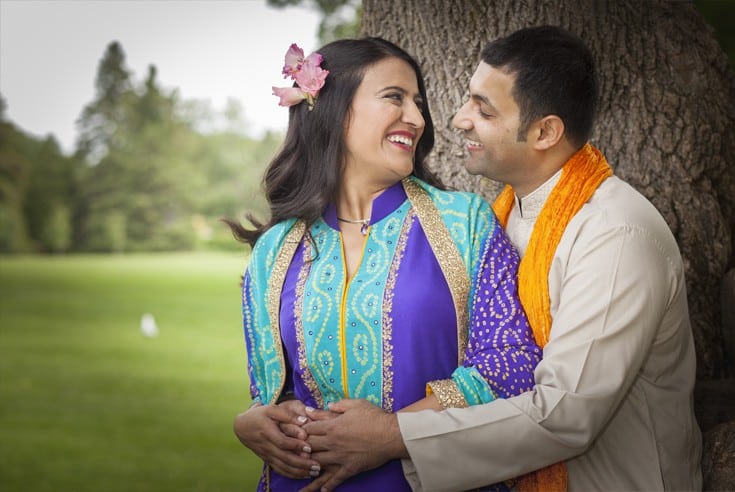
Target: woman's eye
395	96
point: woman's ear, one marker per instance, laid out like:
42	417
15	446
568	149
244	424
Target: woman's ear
549	132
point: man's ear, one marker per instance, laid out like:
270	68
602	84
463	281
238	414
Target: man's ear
548	132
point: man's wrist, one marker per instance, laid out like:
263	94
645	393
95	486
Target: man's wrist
395	444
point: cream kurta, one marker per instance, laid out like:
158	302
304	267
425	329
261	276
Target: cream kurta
613	392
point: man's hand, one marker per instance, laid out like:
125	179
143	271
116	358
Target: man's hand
360	438
286	451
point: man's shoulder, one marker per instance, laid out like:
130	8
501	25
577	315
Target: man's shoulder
618	209
617	204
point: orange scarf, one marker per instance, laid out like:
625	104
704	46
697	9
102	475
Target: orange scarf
581	175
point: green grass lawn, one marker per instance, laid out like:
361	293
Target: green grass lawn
87	403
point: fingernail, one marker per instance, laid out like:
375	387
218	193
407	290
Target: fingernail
314	473
315	468
309	409
307	449
301	419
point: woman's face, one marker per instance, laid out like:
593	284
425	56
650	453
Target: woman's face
385	124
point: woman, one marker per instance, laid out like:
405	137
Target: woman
370	281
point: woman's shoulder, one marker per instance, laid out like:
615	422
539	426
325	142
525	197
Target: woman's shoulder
272	239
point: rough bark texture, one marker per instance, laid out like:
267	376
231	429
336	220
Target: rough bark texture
667	113
666	119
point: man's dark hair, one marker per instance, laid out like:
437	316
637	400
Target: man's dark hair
555	74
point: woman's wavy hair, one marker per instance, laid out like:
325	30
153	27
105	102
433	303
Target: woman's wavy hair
304	175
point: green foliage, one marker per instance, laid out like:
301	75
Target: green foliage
341	18
56	233
145	176
90	404
158	170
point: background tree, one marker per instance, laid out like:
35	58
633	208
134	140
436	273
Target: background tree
50	195
666	113
13	179
340	18
37	190
99	120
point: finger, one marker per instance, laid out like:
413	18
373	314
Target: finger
290	444
296	407
285	415
317	414
295	463
317	443
296	472
316	484
335	480
326	458
342	406
294	431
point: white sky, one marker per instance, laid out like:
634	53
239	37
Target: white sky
209	49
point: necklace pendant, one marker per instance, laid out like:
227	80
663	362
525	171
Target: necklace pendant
364	229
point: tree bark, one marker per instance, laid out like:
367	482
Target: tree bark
667	111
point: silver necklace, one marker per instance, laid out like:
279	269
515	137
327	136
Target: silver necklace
365	223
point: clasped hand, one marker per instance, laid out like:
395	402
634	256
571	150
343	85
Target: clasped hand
301	442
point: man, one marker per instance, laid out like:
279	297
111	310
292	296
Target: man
603	284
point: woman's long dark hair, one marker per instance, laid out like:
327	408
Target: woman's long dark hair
304	175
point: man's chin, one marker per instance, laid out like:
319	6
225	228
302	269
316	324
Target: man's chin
473	167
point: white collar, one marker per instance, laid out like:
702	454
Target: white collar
530	206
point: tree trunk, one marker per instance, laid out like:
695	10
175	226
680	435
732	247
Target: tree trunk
665	123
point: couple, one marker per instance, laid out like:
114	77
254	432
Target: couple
395	304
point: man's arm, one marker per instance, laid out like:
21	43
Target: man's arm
611	296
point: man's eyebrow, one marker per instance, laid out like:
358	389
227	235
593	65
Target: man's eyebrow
482	99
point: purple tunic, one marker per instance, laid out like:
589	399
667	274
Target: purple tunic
392	328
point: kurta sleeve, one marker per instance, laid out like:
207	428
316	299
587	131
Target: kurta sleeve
613	290
265	361
255	322
501	353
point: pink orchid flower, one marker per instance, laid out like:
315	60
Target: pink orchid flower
306	72
294	59
289	95
311	78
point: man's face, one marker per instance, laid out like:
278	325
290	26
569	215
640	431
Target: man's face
490	120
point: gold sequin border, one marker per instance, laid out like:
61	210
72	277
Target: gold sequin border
388	311
275	283
448	393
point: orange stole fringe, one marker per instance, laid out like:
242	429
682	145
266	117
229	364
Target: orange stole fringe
581	175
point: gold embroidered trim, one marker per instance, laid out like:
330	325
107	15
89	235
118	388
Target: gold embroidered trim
278	276
308	377
447	392
447	255
390	285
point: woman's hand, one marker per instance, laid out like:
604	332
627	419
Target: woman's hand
353	437
286	451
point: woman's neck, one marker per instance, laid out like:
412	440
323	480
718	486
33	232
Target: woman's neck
355	200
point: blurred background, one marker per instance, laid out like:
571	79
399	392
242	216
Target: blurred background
127	129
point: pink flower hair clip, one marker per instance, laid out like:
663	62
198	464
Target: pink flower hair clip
308	75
